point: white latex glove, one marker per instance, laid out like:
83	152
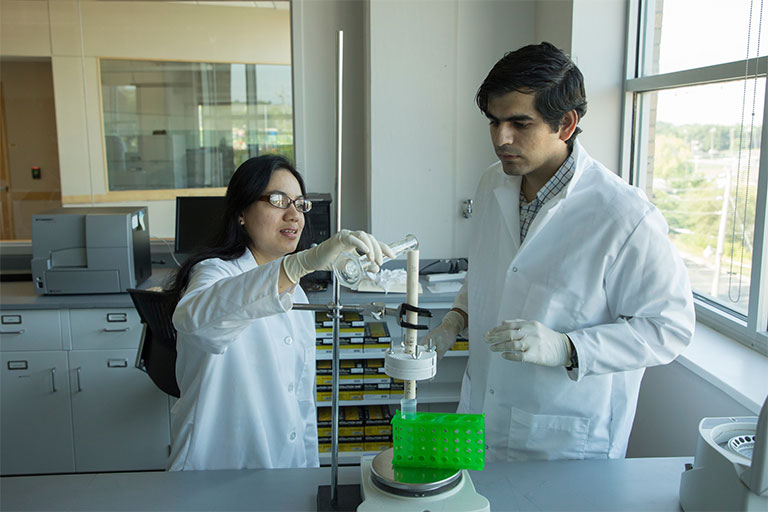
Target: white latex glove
444	335
530	342
322	256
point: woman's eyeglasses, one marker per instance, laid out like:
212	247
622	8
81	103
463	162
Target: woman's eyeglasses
280	200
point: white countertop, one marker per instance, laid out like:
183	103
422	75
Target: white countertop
618	484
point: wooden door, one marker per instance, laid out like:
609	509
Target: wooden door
6	208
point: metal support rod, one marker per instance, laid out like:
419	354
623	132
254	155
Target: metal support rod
336	284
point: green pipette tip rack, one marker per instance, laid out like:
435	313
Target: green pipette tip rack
439	440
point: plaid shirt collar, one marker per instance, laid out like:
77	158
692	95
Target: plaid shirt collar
550	189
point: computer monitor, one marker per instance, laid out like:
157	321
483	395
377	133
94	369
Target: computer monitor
197	221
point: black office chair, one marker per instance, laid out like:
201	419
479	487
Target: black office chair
157	349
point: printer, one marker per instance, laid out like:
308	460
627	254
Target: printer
90	250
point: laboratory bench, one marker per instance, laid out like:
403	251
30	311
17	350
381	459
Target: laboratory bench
617	484
67	372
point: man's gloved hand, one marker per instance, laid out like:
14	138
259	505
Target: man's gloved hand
322	256
444	335
530	342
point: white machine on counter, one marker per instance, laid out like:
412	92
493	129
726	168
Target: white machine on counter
730	471
90	250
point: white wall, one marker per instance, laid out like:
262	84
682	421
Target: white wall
429	142
554	23
593	33
598	48
315	25
672	402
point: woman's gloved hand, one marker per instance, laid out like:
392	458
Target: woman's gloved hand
530	342
322	256
444	335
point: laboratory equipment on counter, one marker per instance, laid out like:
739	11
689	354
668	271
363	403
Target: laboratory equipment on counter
437	485
411	362
351	268
439	440
90	250
386	488
408	361
730	471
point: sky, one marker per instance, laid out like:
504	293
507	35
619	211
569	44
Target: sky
704	32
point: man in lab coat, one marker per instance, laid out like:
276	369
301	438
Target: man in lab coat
573	288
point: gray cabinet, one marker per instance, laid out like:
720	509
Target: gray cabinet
120	418
35	417
72	400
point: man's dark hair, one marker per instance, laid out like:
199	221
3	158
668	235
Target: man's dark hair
542	70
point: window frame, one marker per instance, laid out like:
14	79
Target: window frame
751	331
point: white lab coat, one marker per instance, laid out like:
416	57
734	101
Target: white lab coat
596	264
246	371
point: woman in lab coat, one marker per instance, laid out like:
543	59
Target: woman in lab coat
246	360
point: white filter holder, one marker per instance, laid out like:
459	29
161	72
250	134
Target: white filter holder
399	365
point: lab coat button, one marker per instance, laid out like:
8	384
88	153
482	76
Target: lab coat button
514	269
290	387
288	340
293	436
490	391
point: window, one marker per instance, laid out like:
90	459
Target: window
695	108
172	125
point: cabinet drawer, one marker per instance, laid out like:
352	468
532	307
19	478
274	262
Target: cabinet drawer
30	330
105	328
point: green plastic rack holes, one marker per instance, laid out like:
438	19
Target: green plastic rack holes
439	440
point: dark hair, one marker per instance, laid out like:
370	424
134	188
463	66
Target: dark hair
247	184
545	71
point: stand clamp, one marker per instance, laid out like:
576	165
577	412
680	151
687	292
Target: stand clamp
404	308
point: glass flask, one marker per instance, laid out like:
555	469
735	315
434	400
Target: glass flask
351	268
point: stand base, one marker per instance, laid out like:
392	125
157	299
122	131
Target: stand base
347	498
461	498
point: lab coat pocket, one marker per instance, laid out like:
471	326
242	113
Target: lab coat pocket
546	436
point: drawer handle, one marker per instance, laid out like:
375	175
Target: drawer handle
117	317
117	363
18	365
79	387
53	380
20	331
117	330
10	319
